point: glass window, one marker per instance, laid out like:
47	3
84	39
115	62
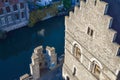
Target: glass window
17	16
90	31
77	52
95	68
22	14
15	7
8	9
21	5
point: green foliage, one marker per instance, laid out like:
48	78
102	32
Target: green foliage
67	3
42	12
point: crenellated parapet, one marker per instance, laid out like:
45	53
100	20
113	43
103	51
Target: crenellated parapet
41	62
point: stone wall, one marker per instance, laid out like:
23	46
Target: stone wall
97	46
41	63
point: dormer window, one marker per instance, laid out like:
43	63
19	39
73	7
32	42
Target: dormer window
90	31
118	53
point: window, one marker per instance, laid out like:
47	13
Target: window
40	64
110	24
8	9
118	53
17	16
1	11
74	71
9	19
3	21
22	14
90	32
46	64
95	69
67	78
15	7
21	5
76	51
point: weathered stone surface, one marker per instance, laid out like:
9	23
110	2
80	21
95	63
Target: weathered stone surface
99	47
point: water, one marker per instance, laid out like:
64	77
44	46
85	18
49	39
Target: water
16	50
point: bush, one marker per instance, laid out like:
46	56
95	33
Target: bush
67	4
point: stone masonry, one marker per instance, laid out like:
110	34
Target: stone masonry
91	52
41	61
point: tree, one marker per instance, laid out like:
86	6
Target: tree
67	3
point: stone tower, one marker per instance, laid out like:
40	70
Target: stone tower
42	62
90	49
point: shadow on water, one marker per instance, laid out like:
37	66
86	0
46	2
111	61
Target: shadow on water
17	49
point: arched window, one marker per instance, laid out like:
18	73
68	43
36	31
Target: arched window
95	68
76	51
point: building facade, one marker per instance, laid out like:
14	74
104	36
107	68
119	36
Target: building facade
91	52
13	14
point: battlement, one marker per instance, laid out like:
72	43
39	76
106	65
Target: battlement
42	60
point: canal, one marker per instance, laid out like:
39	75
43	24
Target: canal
17	48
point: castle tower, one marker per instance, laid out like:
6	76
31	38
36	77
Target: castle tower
90	49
